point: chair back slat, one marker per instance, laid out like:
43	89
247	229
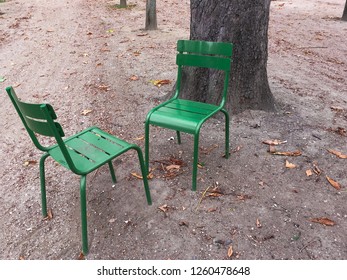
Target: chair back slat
204	47
37	118
34	111
40	119
204	54
43	128
220	63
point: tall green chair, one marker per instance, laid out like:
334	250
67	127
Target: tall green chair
185	115
81	153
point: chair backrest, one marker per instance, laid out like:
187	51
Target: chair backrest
40	119
204	54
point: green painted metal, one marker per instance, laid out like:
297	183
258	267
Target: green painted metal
82	153
187	115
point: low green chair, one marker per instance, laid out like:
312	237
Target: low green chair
186	115
81	153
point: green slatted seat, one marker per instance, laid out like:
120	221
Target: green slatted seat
187	115
82	153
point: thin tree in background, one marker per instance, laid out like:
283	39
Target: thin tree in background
344	15
123	4
151	15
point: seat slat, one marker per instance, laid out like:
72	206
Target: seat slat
169	118
87	150
190	106
111	148
80	161
110	137
176	113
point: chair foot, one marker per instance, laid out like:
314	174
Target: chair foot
84	227
113	175
195	161
227	121
144	174
43	185
178	133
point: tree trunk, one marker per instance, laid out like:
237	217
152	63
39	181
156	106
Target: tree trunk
344	15
123	3
245	24
151	15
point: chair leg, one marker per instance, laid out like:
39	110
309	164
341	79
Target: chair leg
226	114
195	160
113	175
83	201
43	185
144	174
178	136
147	147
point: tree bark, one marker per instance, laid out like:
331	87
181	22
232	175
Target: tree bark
123	3
245	24
344	15
151	15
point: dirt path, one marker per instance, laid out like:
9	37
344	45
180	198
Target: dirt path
84	55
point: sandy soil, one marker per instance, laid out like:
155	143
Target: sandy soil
85	56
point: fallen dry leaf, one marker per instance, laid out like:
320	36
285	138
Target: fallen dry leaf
134	78
213	195
28	162
159	83
323	221
49	215
172	166
337	153
332	182
340	130
258	223
338	109
139	138
273	151
177	161
136	175
164	208
309	172
290	165
86	112
230	251
81	257
243	197
316	169
183	223
215	192
274	142
103	87
209	210
149	176
105	50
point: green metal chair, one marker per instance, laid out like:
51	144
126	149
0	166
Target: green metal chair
81	153
186	115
